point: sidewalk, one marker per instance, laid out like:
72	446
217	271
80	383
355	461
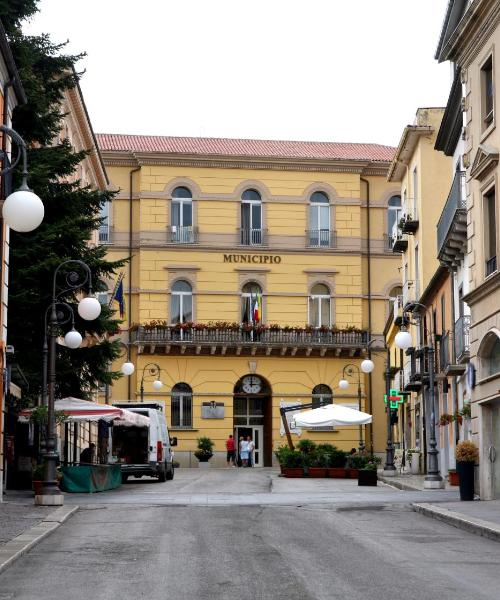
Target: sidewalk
481	517
23	525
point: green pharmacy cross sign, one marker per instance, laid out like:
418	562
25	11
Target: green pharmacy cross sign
395	398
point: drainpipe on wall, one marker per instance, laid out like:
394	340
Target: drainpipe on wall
130	223
369	273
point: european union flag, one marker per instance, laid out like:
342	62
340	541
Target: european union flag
120	298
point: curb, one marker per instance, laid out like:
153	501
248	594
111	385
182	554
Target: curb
21	544
398	485
471	524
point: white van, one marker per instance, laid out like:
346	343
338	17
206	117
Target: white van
144	450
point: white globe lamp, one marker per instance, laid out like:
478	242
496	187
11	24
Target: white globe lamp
89	308
343	384
128	368
23	211
157	385
73	339
367	365
403	340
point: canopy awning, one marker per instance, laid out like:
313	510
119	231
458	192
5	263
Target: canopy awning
77	410
331	415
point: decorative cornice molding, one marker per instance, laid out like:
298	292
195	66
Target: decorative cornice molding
490	285
485	160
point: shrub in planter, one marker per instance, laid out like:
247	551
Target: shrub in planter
337	464
466	455
204	452
368	474
293	463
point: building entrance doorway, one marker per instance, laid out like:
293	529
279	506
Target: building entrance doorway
255	432
252	412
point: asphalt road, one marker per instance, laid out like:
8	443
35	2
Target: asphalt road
360	546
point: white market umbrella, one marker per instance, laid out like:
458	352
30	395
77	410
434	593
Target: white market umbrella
331	415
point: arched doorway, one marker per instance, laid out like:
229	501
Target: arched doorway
252	415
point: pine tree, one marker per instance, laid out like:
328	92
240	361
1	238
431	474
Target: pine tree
71	215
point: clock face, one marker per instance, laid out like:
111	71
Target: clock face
251	384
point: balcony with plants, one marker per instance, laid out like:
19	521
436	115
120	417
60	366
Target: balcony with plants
225	338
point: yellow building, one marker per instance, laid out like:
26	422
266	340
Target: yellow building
259	270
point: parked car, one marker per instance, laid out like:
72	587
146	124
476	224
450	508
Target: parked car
144	450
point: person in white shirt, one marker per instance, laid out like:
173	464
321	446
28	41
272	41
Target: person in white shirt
244	452
251	448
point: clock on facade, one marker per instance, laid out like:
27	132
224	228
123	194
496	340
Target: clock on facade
251	384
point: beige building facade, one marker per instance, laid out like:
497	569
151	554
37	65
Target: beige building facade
259	271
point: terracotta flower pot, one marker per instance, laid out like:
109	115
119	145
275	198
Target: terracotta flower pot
337	473
293	472
318	472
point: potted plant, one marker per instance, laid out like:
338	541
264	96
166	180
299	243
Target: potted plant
466	454
37	475
355	462
204	450
368	474
293	463
280	454
445	419
323	455
336	464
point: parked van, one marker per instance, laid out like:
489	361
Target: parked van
144	450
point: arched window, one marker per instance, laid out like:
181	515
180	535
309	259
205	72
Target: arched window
395	298
181	308
320	306
105	226
251	218
489	354
251	303
393	214
181	219
181	414
319	220
320	393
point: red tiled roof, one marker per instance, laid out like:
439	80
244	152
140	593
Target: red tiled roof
251	148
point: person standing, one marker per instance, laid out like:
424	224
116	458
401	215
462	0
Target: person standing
251	448
244	452
230	452
87	455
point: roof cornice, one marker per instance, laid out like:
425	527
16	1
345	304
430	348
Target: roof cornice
405	150
11	66
113	158
451	125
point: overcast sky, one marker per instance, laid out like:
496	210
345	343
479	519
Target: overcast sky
328	70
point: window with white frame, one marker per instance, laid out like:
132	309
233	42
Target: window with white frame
319	220
181	218
393	214
181	305
181	414
487	93
104	227
251	303
320	306
251	218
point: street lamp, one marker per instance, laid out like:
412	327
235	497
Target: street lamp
55	313
22	210
350	370
403	340
150	370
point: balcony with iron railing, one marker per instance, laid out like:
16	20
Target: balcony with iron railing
448	364
452	224
247	340
321	238
252	237
409	223
182	235
462	339
105	234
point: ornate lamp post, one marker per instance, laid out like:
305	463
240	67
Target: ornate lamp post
403	340
89	308
350	370
150	370
22	210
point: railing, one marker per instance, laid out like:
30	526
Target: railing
388	242
321	238
491	265
456	202
182	235
243	335
462	339
253	237
105	234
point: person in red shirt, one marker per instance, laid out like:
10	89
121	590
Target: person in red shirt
231	454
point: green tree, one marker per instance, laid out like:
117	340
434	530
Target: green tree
71	215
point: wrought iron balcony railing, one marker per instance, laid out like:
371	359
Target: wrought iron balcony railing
105	234
321	238
452	224
253	237
462	339
251	339
182	235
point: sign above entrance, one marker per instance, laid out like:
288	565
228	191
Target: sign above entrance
252	259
